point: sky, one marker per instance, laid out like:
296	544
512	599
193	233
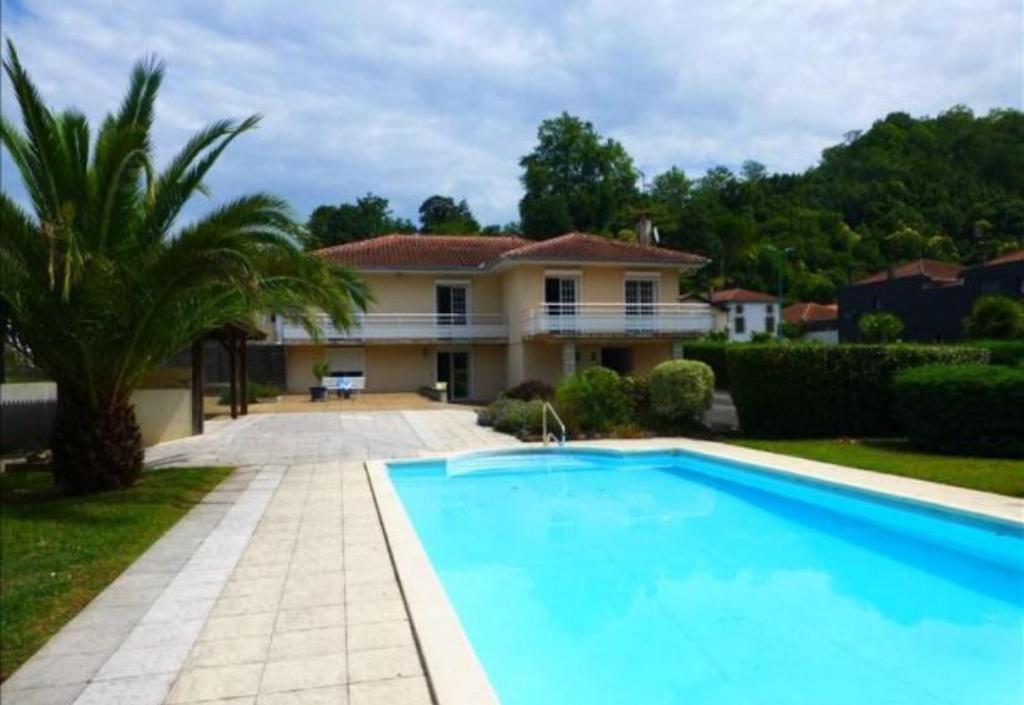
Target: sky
411	98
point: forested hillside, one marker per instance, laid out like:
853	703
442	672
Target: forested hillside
949	187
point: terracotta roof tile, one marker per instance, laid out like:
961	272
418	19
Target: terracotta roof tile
810	312
932	269
479	251
423	251
742	296
594	248
1015	256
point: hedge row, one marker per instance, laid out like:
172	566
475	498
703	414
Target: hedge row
712	354
1003	352
974	409
792	391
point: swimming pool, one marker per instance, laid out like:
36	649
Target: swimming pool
584	576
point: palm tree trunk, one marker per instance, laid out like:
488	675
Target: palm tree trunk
95	449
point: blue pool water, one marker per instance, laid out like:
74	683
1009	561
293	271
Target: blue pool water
588	577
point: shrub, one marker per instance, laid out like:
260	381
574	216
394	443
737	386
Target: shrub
794	391
682	390
880	327
594	400
712	354
531	389
1003	352
638	390
995	317
963	408
513	416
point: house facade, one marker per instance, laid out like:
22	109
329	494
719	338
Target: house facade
932	298
747	312
484	313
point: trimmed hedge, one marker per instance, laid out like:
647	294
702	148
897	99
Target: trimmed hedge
1003	352
712	354
975	409
682	390
824	391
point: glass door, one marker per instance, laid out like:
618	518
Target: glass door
560	303
641	295
451	304
453	369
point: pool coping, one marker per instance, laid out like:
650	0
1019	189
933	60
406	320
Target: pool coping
452	666
453	670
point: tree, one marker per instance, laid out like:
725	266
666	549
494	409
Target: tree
814	287
100	285
881	327
753	171
574	179
995	317
441	215
368	217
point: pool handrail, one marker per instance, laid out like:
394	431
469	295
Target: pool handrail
544	425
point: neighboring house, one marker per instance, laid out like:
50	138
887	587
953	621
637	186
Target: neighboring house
747	312
932	298
482	313
817	321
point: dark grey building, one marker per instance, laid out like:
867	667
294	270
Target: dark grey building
932	298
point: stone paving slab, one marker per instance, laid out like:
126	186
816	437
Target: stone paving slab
276	589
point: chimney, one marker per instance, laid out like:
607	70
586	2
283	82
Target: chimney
644	228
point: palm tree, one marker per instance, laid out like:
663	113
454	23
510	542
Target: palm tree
101	284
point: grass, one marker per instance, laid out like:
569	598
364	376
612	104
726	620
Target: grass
60	552
896	457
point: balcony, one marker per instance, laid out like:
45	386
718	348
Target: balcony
404	327
618	320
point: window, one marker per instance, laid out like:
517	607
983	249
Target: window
769	323
739	325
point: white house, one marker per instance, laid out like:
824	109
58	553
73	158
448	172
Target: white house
747	312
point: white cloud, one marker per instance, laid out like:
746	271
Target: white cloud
414	98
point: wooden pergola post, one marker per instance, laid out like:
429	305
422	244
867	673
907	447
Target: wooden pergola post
197	387
243	373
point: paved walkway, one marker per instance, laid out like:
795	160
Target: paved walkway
276	590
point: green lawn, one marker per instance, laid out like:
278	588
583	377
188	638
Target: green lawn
895	457
59	552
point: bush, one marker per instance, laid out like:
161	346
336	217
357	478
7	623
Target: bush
682	390
638	391
531	389
1003	352
513	416
712	354
972	409
594	400
880	327
995	317
808	391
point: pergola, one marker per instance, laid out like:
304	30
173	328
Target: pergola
233	338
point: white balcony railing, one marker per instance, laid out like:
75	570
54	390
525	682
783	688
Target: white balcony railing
404	326
615	319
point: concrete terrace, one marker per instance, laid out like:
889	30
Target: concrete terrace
277	589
